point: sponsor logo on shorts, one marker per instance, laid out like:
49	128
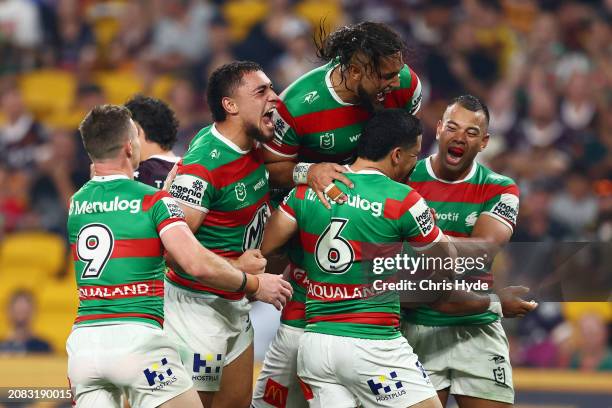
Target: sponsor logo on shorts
423	372
189	189
159	376
275	394
386	387
499	376
207	368
497	359
422	215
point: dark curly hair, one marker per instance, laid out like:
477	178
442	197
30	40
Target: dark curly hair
156	119
371	40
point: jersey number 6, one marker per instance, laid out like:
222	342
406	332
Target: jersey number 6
333	253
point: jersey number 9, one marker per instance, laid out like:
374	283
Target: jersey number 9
94	246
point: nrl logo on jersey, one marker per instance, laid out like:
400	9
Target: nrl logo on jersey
253	233
327	141
310	97
240	190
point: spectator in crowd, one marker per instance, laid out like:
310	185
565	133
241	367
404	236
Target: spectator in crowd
186	106
576	205
592	352
20	311
21	136
60	174
180	35
20	34
74	43
264	43
134	35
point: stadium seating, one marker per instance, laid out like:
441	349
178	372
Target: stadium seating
47	91
40	251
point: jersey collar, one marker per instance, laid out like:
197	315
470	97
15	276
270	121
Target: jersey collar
330	87
364	171
433	175
170	159
225	140
112	177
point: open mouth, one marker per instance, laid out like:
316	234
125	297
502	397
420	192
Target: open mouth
380	97
267	118
454	155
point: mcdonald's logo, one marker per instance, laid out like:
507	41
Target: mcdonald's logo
275	394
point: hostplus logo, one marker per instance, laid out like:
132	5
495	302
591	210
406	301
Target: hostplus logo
207	368
159	376
386	388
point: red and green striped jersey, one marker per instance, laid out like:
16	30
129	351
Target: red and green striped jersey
114	228
339	297
231	186
458	205
314	125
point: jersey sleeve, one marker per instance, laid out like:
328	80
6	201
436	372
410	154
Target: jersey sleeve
417	223
291	204
164	211
409	94
193	186
286	140
504	206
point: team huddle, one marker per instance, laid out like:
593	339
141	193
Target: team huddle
321	174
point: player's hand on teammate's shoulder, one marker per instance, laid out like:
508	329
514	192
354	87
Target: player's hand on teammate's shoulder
273	289
513	305
320	178
251	262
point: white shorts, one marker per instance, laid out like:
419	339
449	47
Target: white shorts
209	331
345	372
137	360
471	360
277	385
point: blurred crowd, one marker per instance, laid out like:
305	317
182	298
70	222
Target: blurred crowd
543	66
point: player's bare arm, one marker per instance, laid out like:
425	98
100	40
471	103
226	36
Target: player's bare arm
214	270
250	261
279	229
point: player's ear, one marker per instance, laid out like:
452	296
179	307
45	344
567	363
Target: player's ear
229	104
484	142
129	149
438	129
396	155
